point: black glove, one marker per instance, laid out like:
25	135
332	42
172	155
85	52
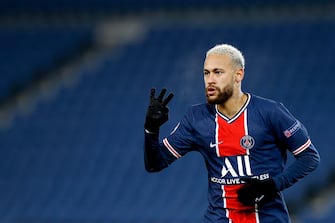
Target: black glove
157	113
256	191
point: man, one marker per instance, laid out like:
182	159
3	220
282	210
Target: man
244	139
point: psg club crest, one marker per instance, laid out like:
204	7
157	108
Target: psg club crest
247	142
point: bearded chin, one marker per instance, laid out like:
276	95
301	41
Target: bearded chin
222	96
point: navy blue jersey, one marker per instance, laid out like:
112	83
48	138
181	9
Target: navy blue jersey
254	143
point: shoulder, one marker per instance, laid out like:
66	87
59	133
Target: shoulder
270	109
261	101
200	111
265	104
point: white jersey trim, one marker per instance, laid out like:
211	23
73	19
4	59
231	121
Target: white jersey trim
230	120
302	148
171	149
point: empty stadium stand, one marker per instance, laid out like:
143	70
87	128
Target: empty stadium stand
28	52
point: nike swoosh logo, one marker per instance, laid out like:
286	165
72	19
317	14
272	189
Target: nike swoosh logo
212	145
258	199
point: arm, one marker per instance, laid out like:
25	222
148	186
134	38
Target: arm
262	191
293	135
153	158
304	163
157	115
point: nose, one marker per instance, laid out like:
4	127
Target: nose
210	78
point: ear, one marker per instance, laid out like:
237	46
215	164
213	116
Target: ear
239	75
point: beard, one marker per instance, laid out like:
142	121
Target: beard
222	95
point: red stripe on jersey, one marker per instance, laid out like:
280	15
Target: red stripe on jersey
240	213
229	135
243	217
228	143
230	198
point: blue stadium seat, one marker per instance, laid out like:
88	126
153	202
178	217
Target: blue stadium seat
26	51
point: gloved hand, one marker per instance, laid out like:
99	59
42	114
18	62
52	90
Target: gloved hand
256	191
157	113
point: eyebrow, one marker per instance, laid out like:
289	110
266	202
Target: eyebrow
215	69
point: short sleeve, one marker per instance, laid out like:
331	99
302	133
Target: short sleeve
181	139
290	131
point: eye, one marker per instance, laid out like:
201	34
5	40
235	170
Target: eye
219	72
206	73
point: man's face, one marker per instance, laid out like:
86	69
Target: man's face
219	77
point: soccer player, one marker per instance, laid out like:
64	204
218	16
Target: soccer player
244	139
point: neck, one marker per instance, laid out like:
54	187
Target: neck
233	105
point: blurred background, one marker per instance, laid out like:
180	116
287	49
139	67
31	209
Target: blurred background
74	88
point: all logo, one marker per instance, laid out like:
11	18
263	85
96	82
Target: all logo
236	166
247	142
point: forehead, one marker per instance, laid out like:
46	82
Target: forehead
214	60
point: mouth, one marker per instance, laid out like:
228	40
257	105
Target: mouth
210	91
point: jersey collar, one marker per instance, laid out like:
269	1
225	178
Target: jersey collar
229	120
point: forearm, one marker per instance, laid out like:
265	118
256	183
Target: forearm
304	163
153	157
157	115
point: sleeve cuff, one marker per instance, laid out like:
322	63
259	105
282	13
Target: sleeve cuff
152	133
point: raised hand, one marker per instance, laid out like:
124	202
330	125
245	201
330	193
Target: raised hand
158	112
